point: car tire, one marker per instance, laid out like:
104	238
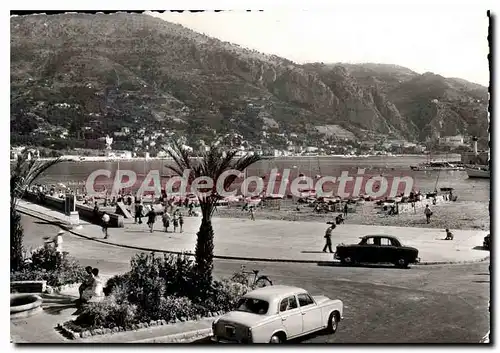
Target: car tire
276	339
347	261
402	263
333	323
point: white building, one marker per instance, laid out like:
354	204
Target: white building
452	141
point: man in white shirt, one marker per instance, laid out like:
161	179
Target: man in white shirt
58	241
105	224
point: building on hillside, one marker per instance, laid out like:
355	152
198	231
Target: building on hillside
452	141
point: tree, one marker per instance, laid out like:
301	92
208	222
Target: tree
212	164
22	175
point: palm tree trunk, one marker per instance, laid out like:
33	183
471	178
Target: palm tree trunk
204	253
16	241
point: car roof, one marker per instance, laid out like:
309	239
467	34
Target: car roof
380	236
271	292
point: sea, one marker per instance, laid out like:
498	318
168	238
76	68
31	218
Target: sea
76	173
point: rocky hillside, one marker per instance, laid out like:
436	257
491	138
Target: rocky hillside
81	76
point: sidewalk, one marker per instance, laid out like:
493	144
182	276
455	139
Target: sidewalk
269	240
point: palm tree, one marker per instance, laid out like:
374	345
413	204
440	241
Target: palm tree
22	175
212	165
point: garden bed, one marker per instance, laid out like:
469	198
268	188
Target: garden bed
157	291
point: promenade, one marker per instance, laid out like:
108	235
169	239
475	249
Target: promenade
272	240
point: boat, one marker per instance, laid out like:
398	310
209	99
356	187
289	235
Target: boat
436	166
478	171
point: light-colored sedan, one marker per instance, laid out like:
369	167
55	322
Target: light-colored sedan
275	314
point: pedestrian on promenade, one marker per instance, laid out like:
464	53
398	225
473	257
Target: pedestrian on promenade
96	211
252	213
345	210
449	235
105	224
166	220
176	221
190	212
181	221
138	211
151	219
328	238
428	214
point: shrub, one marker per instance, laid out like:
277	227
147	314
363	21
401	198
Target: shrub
48	265
174	307
224	295
116	281
107	313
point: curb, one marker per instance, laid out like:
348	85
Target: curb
178	337
223	257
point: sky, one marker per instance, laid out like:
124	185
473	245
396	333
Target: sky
447	40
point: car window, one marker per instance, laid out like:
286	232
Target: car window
386	242
250	305
305	299
288	304
369	241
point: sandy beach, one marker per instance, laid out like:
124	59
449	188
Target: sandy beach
453	215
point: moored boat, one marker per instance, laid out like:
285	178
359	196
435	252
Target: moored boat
437	166
479	171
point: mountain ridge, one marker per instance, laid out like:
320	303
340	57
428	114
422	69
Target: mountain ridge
112	65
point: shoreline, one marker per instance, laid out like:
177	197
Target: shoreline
83	159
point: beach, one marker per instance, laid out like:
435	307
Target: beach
452	215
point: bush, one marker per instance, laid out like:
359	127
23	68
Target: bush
107	314
175	308
48	265
225	295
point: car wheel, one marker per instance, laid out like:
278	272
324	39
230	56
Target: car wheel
333	323
402	263
346	260
276	339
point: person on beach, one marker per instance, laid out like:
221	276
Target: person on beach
328	238
428	214
181	222
105	224
252	213
151	219
449	235
166	220
345	210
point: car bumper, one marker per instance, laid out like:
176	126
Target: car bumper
417	260
224	340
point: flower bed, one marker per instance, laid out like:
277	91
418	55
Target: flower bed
157	291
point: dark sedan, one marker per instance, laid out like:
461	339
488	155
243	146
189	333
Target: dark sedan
377	249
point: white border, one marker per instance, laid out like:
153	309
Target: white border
357	5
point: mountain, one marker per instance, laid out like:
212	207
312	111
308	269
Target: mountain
77	77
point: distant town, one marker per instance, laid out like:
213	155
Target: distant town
338	143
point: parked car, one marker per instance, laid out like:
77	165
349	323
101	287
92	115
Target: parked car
277	314
377	249
487	242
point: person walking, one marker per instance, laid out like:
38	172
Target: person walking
328	238
175	221
151	219
252	213
345	210
105	224
166	220
181	222
96	211
58	241
138	211
428	214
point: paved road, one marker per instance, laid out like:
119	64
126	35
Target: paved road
423	304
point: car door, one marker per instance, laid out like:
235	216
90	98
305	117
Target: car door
387	250
311	313
291	316
367	250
